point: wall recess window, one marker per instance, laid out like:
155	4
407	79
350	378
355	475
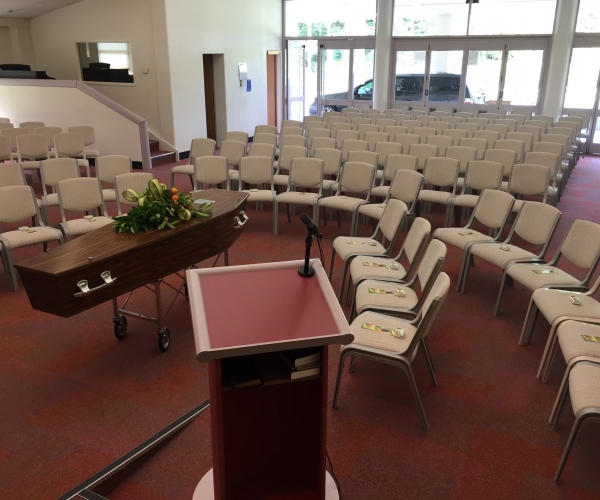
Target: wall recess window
105	62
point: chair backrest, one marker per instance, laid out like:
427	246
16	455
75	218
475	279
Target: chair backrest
456	134
463	115
291	124
357	177
5	149
515	145
549	147
361	120
5	125
439	127
321	142
424	132
256	170
288	153
212	170
530	180
345	111
69	145
332	160
493	208
264	138
441	172
336	127
49	133
562	131
482	122
452	120
406	186
138	181
490	136
363	129
291	131
536	222
445	109
407	140
385	122
237	136
11	174
413	113
490	117
573	125
313	125
507	122
317	132
392	218
425	119
484	174
58	169
506	157
374	137
423	152
234	151
499	129
549	120
272	129
353	145
32	146
293	140
411	125
550	160
84	130
558	138
541	124
438	115
333	117
430	265
306	173
353	114
463	154
12	134
201	147
80	194
109	166
398	162
17	203
262	149
344	135
369	157
470	108
520	119
470	128
383	149
536	132
31	126
441	141
393	131
415	240
582	244
391	112
369	112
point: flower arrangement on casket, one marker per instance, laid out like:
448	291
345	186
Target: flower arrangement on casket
158	207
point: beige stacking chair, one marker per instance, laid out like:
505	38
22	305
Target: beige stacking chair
356	178
411	125
441	141
257	171
520	119
11	174
5	125
393	131
492	210
400	352
464	155
237	136
89	139
364	129
455	134
12	134
463	115
314	125
31	126
393	162
507	122
293	140
425	120
413	113
53	171
212	170
553	162
271	129
535	224
5	149
199	147
31	150
305	173
369	112
349	247
374	137
440	174
407	140
49	133
350	145
490	117
337	127
424	132
333	117
536	132
290	124
542	124
385	122
469	128
345	111
234	151
81	195
18	203
470	108
350	116
288	153
489	135
439	127
332	163
517	146
361	120
524	137
317	132
480	145
321	143
383	150
137	181
288	131
453	121
345	135
392	112
438	115
262	149
507	158
446	109
369	157
581	247
423	152
482	122
261	138
71	146
582	381
107	168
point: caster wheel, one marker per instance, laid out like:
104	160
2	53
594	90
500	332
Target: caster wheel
164	340
120	327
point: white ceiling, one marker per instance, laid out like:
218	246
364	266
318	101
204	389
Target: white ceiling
31	8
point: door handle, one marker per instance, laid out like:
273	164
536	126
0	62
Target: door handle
426	92
240	221
86	290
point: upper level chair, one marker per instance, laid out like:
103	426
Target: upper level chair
18	203
89	139
71	146
107	168
138	181
81	194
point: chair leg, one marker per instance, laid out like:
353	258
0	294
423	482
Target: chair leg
275	215
339	219
11	274
349	290
530	319
415	391
331	265
172	179
338	379
226	256
500	292
287	206
344	272
463	277
430	365
549	353
568	447
559	403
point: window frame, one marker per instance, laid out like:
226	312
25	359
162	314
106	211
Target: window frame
118	84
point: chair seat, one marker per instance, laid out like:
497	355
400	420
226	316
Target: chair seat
83	226
381	191
343	246
431	196
281	179
109	195
555	303
341	202
458	236
359	271
573	345
183	169
490	252
584	387
297	197
378	340
18	239
524	274
92	153
365	299
260	194
465	200
330	184
379	174
82	163
51	200
31	164
234	175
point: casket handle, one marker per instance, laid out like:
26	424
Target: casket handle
240	221
86	290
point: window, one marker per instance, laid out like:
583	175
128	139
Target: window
588	19
105	62
583	78
318	18
430	17
512	17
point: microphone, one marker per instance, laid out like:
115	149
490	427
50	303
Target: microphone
310	225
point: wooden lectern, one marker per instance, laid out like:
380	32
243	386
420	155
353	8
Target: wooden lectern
268	441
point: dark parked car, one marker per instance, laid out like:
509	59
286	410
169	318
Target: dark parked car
442	88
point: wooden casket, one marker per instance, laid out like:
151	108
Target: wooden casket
133	260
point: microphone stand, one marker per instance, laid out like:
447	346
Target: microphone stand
306	270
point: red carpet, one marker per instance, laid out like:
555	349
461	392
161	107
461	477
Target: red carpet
74	398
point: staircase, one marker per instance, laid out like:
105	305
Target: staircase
160	157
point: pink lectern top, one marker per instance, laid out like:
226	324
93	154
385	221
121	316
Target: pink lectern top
250	309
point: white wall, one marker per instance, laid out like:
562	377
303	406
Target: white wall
243	31
54	41
15	42
5	46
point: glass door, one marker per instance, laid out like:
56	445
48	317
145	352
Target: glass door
484	67
363	66
408	78
444	73
296	79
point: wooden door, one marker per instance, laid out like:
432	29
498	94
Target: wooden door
209	96
271	89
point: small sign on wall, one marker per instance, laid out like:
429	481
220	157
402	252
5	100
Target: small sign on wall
248	85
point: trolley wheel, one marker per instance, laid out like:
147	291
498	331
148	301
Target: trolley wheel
120	327
164	340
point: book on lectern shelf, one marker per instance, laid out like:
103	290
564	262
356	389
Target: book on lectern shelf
240	373
302	362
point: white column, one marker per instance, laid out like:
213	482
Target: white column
560	56
383	50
